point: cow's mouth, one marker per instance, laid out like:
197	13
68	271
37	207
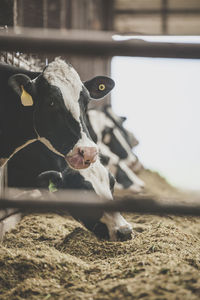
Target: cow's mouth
81	157
77	162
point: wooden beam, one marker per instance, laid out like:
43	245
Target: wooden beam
91	43
89	204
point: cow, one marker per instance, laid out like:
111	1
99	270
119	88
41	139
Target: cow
104	130
79	154
47	107
125	177
37	167
112	142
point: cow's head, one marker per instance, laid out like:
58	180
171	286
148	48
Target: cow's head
110	226
59	100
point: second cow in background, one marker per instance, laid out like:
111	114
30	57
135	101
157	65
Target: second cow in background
115	144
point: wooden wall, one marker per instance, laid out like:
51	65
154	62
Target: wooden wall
176	17
126	16
70	14
6	13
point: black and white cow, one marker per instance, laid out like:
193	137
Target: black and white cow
47	107
108	133
125	177
37	167
113	145
66	110
119	121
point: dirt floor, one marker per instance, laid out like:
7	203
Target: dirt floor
54	257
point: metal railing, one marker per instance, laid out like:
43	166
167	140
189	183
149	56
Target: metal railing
91	43
89	204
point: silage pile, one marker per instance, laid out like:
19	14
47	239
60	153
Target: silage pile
54	257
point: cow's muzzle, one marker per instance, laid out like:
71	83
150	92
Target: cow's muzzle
81	157
118	228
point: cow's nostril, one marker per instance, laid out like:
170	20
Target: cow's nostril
87	154
124	233
81	152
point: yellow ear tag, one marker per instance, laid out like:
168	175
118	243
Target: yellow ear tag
26	99
102	87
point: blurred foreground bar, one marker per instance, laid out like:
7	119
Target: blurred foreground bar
88	203
90	43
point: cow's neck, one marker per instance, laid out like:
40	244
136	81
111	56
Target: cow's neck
15	134
7	150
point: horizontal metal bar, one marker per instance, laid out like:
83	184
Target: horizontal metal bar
91	43
88	204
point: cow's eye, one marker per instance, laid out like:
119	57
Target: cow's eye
51	103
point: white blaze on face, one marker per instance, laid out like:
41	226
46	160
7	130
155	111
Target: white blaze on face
64	76
84	141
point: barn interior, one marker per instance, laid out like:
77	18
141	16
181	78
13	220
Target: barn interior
53	256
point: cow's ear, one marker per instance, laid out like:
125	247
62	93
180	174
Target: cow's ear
99	86
21	84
